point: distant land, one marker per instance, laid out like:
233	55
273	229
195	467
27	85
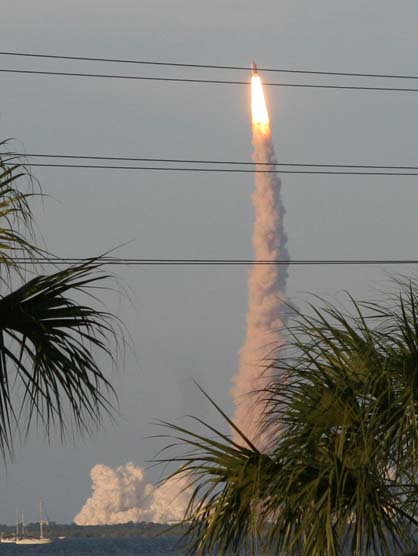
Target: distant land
131	529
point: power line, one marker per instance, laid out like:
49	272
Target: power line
214	262
218	170
207	66
212	81
206	161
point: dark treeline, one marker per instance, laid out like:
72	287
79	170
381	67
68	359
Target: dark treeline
130	529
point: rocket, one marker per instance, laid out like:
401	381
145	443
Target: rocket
254	68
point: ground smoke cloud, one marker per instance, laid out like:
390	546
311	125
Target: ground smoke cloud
121	495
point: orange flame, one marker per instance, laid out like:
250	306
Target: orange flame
260	117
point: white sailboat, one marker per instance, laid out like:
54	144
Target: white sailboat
24	539
8	539
12	538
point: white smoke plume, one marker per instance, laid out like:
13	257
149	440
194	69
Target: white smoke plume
267	309
122	495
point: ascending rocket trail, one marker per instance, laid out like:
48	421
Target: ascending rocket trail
267	308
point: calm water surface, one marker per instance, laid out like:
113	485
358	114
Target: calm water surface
129	546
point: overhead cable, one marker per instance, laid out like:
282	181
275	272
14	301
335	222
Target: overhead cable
217	170
207	66
122	261
211	81
206	161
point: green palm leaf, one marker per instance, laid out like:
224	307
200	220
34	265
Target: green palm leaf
16	217
340	474
47	345
227	482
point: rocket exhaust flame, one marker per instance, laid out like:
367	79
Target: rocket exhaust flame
260	117
267	308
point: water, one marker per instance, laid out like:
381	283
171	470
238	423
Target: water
128	546
121	546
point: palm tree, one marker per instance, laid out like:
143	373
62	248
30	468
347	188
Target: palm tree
339	475
48	339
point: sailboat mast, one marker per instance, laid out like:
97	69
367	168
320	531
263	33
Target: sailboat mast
41	523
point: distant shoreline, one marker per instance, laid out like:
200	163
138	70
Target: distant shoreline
144	529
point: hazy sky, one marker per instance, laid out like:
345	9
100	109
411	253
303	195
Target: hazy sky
189	323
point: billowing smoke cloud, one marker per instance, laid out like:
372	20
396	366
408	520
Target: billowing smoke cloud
267	308
121	495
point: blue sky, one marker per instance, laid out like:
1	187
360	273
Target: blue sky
189	323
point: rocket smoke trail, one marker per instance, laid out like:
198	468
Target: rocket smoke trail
266	314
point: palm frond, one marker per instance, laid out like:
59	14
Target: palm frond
47	344
226	481
16	219
340	473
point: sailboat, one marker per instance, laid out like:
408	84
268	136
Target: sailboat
24	539
12	538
